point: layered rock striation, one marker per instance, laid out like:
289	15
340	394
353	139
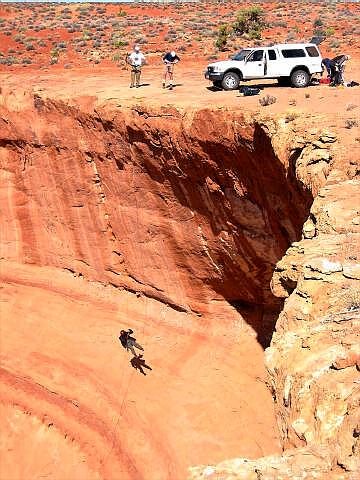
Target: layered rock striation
313	359
175	223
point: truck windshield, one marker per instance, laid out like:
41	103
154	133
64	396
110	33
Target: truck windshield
241	55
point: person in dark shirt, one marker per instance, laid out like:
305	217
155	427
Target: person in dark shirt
325	64
129	342
337	66
169	60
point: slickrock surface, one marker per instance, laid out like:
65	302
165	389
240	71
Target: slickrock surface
314	358
174	221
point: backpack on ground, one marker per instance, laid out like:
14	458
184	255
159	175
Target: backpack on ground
249	91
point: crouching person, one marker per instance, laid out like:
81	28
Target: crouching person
169	60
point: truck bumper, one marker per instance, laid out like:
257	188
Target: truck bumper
214	76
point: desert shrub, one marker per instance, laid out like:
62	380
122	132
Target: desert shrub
319	32
29	47
290	36
350	123
350	106
351	298
329	31
121	43
334	44
318	22
250	22
222	38
291	115
141	40
9	61
280	24
267	100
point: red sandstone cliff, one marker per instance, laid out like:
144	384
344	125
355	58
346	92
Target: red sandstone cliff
313	359
173	223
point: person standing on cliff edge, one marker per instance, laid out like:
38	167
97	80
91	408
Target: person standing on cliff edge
136	59
169	60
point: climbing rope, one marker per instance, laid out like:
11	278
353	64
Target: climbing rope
132	184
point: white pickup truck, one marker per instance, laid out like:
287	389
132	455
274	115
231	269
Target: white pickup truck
289	63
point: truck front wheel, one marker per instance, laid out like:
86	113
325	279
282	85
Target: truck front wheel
230	81
300	79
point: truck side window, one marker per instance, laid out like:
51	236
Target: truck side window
256	56
293	53
312	51
272	54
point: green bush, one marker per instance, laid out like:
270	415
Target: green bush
250	22
334	44
329	31
121	43
222	38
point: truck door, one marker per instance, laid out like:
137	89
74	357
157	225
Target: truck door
272	63
254	65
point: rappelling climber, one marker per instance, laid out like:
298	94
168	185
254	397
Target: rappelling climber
129	342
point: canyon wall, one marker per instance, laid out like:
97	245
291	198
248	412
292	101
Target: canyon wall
174	223
188	208
314	359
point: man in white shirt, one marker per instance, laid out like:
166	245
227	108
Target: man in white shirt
136	60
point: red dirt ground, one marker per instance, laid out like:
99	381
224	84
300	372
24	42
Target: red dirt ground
64	362
190	29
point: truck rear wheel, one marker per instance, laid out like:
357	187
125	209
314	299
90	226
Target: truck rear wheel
300	79
230	81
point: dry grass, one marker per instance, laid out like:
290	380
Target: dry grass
351	298
267	100
291	115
